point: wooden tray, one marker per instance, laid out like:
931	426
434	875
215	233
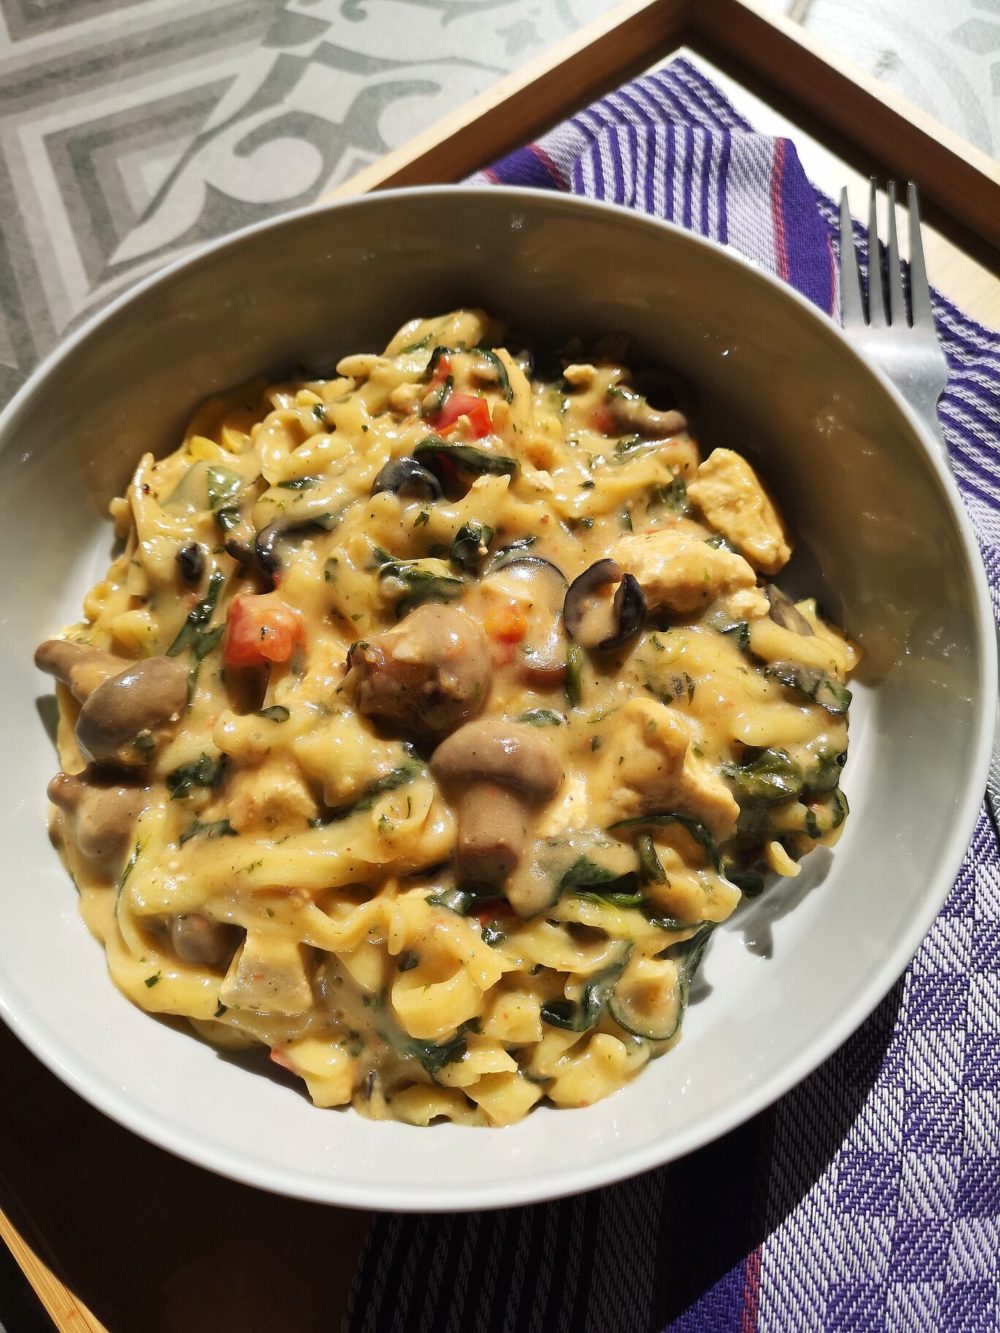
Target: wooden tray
115	1234
846	125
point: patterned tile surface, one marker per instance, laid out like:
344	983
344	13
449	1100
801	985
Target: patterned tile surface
130	130
943	57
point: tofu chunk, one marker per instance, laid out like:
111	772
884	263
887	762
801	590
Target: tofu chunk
733	499
678	571
269	798
648	766
268	976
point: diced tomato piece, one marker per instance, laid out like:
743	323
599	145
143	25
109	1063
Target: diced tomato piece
280	1058
498	910
261	629
464	405
506	623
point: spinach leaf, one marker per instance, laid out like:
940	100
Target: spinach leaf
597	879
650	869
724	623
420	585
220	828
499	372
574	675
765	777
663	818
196	634
470	545
673	496
462	901
543	717
299	484
434	452
596	993
205	771
391	781
435	1055
811	684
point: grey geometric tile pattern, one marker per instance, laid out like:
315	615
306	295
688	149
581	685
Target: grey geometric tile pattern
132	130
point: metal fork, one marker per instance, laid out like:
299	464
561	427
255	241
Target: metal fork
899	338
902	342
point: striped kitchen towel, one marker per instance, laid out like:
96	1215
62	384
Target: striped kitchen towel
869	1197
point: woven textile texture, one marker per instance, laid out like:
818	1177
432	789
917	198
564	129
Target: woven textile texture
869	1197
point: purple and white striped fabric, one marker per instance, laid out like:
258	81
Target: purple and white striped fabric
868	1198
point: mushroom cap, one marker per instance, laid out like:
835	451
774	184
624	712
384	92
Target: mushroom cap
494	750
147	695
427	675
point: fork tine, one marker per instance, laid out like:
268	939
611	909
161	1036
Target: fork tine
920	292
876	300
852	311
897	301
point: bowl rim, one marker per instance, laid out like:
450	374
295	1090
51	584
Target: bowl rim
72	1067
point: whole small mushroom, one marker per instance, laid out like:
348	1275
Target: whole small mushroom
427	675
499	772
102	812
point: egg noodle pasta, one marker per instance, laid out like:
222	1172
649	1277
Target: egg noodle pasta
433	715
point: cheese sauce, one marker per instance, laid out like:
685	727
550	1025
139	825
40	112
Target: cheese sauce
431	718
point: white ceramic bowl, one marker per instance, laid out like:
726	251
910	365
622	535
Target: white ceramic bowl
880	532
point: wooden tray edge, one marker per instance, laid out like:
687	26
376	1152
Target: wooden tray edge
67	1312
963	181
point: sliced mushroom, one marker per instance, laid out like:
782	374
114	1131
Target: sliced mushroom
191	563
785	613
539	588
598	620
499	771
78	665
426	676
198	939
633	413
267	542
102	812
118	722
406	477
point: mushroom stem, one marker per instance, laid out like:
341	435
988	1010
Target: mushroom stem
499	771
493	826
78	665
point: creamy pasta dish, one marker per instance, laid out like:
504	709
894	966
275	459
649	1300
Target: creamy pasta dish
431	717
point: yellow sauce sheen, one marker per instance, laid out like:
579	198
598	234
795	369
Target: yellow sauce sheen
359	984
